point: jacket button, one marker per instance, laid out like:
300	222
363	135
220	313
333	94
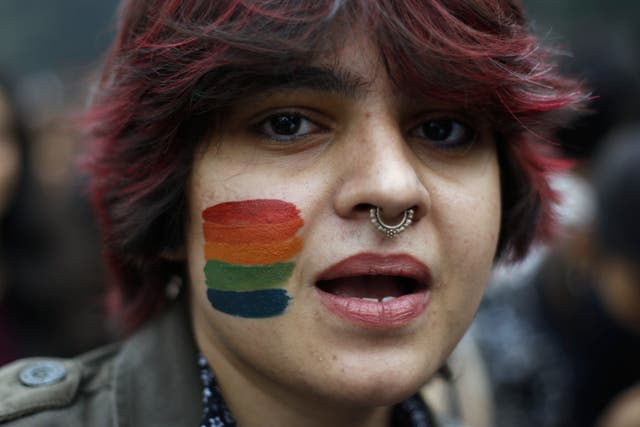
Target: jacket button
39	374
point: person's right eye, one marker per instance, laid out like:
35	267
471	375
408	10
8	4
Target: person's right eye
445	134
286	126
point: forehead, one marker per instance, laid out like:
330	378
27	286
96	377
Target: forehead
352	66
349	70
350	59
417	55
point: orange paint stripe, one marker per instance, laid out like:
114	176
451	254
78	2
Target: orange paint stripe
255	233
253	253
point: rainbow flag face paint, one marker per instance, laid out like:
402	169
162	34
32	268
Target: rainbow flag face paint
248	247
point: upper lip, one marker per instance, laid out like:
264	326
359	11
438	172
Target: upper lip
372	264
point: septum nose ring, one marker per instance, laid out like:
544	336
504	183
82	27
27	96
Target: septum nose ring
391	231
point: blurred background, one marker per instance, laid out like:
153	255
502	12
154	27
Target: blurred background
51	274
557	339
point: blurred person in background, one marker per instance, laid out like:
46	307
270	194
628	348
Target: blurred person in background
589	295
615	265
51	275
562	341
13	151
11	148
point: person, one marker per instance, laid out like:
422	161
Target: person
562	339
615	257
62	315
302	203
13	146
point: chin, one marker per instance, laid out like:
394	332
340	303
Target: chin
377	392
378	384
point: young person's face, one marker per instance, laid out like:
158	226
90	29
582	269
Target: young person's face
275	304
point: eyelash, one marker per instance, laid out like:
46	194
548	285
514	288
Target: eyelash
457	135
296	119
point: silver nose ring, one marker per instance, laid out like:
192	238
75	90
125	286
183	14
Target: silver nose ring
391	231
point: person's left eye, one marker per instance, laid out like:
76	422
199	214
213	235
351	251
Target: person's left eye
286	126
445	134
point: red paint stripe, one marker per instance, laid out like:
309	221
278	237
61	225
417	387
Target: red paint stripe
255	233
251	212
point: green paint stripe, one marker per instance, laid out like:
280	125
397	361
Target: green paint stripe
233	277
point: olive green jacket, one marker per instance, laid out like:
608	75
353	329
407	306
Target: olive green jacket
152	379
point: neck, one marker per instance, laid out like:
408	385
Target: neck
257	401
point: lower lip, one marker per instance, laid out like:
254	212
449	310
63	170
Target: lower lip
379	315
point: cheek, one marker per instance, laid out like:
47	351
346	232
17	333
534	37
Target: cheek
470	217
249	251
469	221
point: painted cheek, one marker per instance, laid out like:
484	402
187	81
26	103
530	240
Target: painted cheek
249	246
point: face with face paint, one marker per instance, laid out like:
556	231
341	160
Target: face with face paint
249	250
299	303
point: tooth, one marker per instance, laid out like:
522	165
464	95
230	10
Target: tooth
387	299
370	299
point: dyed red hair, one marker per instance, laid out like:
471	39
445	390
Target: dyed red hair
176	65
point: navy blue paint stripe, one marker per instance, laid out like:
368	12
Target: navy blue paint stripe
250	304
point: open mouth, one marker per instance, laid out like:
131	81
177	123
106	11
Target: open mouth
373	288
376	290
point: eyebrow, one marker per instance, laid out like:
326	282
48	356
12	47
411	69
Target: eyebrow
338	81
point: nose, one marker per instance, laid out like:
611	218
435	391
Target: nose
380	171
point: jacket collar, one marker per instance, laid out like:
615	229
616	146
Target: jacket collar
156	374
157	378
